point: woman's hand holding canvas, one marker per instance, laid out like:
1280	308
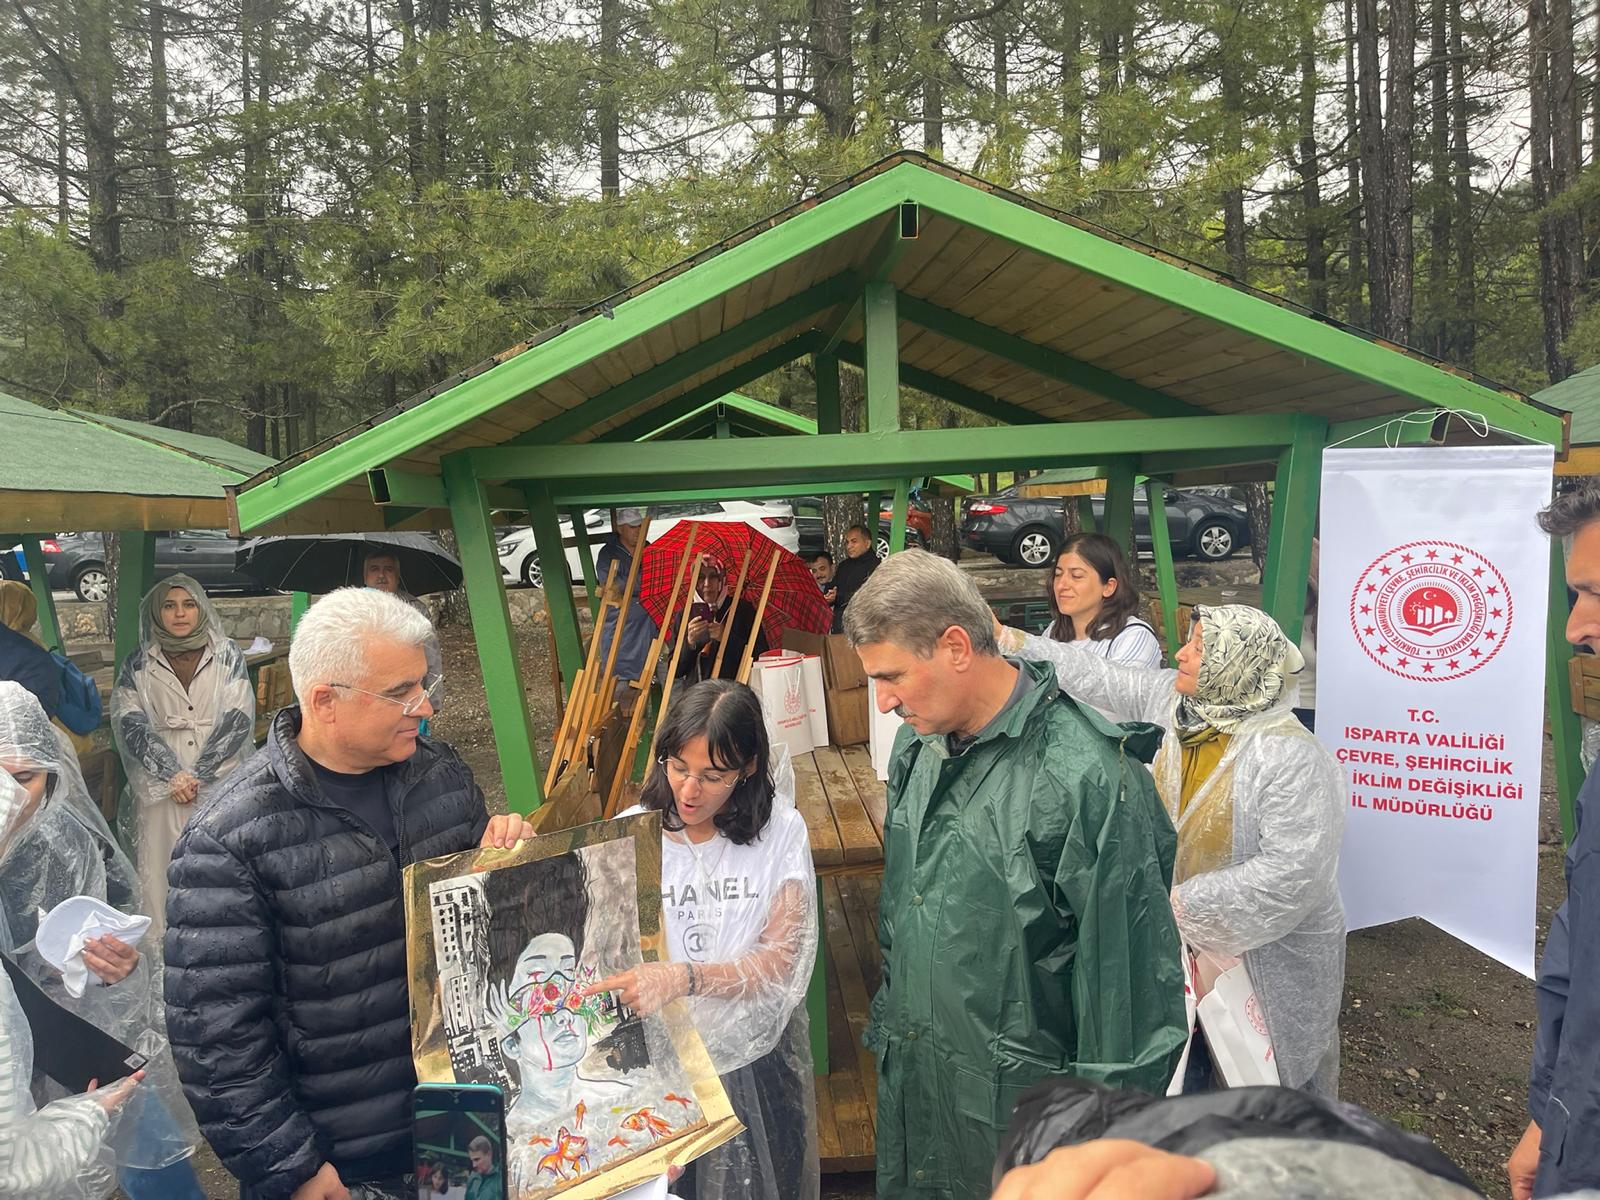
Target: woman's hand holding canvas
647	988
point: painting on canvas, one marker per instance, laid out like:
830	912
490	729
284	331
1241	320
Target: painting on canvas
504	947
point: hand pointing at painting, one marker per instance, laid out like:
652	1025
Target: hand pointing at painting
646	988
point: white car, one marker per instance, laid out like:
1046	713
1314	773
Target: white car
519	560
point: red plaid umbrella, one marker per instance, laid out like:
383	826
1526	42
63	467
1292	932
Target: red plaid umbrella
795	602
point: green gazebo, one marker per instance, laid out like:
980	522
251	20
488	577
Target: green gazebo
1087	349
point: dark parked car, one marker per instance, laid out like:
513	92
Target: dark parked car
808	524
1027	531
77	561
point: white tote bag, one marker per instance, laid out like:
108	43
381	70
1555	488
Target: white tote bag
780	682
1236	1031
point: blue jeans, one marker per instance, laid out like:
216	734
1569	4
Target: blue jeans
153	1127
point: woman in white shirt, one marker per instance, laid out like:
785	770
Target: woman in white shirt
739	909
1094	595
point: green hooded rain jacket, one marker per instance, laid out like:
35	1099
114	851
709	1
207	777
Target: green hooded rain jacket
1026	932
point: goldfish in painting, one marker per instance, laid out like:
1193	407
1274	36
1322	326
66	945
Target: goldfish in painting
617	1141
645	1121
677	1099
539	1141
578	1113
570	1155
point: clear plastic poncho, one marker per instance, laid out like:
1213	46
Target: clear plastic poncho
1275	901
65	849
747	916
56	1152
167	735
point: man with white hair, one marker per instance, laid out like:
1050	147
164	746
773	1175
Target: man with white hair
1024	923
287	1003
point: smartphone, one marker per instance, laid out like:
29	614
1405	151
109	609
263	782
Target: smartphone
459	1134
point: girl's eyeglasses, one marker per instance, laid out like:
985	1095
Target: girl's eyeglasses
679	773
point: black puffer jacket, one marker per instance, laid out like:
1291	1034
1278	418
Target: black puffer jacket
286	963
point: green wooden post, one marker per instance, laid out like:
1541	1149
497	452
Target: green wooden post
580	535
1155	494
882	357
298	603
491	628
39	581
1118	524
826	369
1295	493
136	575
817	993
902	506
559	607
1086	521
1564	725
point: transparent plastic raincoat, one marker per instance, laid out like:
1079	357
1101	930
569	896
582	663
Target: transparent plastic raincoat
66	849
748	914
1274	808
167	733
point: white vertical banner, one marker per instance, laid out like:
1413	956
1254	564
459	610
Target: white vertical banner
1430	683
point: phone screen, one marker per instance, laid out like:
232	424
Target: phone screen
459	1134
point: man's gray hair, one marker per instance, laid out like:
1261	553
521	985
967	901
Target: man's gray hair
481	1145
330	643
912	598
1569	513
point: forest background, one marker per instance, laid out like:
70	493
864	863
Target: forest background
266	219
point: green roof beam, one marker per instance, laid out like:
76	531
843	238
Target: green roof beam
709	353
882	335
639	428
412	489
906	452
1193	292
590	495
1042	360
969	398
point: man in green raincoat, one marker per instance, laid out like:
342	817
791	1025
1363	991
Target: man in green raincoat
1025	922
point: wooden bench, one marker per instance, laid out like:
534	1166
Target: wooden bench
843	803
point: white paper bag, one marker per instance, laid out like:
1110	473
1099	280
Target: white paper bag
780	682
816	699
881	731
1236	1031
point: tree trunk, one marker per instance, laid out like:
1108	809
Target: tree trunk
1109	80
1233	225
834	66
945	542
1355	313
932	81
1374	165
1398	130
1259	512
1309	165
841	512
1072	86
1464	344
607	118
1546	133
1437	339
170	398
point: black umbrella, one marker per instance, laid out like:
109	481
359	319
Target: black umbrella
320	563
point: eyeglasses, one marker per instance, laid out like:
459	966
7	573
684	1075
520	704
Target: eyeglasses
430	687
679	773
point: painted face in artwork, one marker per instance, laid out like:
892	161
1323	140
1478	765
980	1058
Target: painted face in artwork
551	1017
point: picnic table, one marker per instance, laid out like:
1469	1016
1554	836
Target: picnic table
843	802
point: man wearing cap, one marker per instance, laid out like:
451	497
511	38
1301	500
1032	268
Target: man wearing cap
620	547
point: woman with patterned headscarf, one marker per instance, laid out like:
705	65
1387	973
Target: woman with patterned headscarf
182	713
1259	808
